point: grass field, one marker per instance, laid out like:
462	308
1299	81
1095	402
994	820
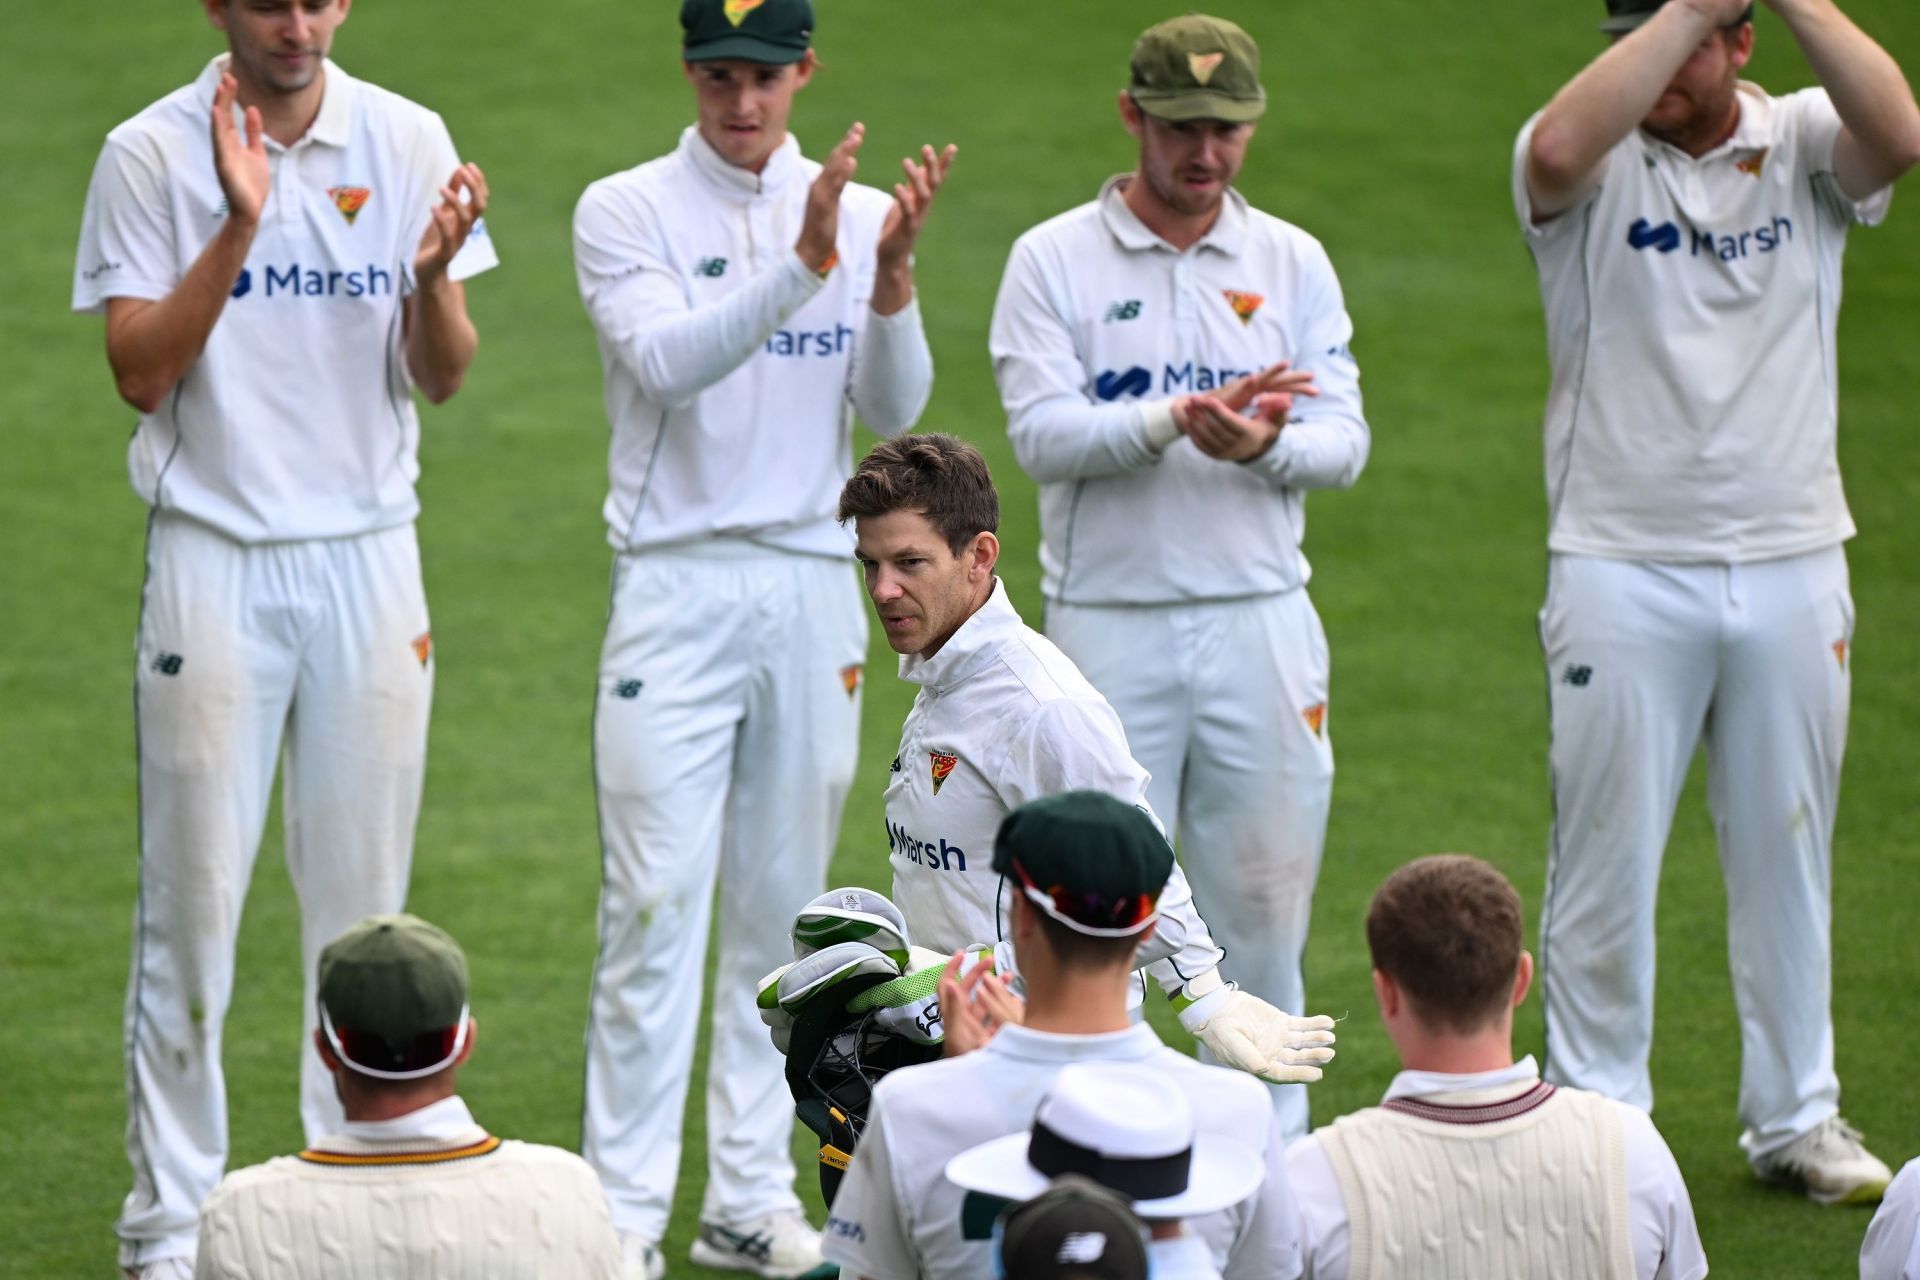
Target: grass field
1389	138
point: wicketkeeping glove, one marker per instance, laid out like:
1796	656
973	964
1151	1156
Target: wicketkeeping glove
1244	1031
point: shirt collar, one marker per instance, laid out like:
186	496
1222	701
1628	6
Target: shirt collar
782	167
1519	1077
1015	1041
330	126
1228	233
442	1121
1753	131
967	649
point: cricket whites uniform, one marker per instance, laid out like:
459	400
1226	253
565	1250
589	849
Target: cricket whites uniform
1590	1182
1891	1250
1175	581
283	605
1697	590
728	711
897	1217
429	1195
1003	717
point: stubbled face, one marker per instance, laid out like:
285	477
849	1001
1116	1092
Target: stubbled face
1696	109
278	46
919	587
1189	164
743	106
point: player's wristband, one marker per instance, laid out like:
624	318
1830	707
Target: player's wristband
1162	428
1198	989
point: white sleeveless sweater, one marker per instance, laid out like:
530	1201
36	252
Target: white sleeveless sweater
1485	1186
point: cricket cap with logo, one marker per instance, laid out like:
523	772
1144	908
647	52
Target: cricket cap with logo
1628	15
1075	1228
1198	68
770	31
1093	863
393	998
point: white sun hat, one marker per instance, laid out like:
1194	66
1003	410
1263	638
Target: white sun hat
1127	1127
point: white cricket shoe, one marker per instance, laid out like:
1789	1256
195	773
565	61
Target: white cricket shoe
780	1246
1829	1163
640	1258
161	1269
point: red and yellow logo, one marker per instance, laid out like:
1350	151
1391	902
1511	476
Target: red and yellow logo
1316	718
1840	652
1202	65
1243	304
423	646
942	766
1753	164
350	200
850	679
737	10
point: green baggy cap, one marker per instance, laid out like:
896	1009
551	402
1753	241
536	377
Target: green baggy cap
770	31
1094	863
1627	15
1198	68
389	984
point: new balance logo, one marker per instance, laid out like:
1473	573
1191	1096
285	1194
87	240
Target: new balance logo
628	689
1577	676
896	765
168	664
712	268
1129	310
1644	235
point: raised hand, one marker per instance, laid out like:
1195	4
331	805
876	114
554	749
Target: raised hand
1220	430
911	201
240	163
820	227
974	1006
463	201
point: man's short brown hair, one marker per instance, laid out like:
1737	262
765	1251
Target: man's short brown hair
942	477
1447	930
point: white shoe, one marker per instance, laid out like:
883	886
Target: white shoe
780	1246
1829	1163
640	1258
161	1269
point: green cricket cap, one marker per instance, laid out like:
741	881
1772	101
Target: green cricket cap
1093	863
1198	68
771	31
394	988
1627	15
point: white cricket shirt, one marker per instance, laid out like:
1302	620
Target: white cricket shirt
1891	1250
1003	717
425	1196
297	420
1665	1240
732	370
1691	309
896	1217
1098	326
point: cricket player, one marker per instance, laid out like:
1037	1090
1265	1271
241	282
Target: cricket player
1688	230
1176	374
1089	878
748	302
278	249
1002	717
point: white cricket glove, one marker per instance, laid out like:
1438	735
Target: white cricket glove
1246	1032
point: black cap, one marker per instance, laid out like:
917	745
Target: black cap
1627	15
1094	863
1075	1228
771	31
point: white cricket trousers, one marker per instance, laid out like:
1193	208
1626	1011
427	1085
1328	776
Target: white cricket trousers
316	648
1645	662
724	738
1225	703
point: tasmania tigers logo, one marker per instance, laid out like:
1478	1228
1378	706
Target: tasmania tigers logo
850	679
737	10
1243	304
350	200
1840	652
1753	164
422	646
942	766
1316	718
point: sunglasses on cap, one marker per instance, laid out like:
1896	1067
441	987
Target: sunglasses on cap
1098	914
426	1054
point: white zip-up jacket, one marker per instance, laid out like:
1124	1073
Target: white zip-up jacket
733	370
1099	326
1003	717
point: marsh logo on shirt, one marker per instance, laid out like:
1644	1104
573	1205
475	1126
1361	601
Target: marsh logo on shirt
942	766
935	854
296	281
810	342
1175	379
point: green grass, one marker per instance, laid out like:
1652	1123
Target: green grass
1391	126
